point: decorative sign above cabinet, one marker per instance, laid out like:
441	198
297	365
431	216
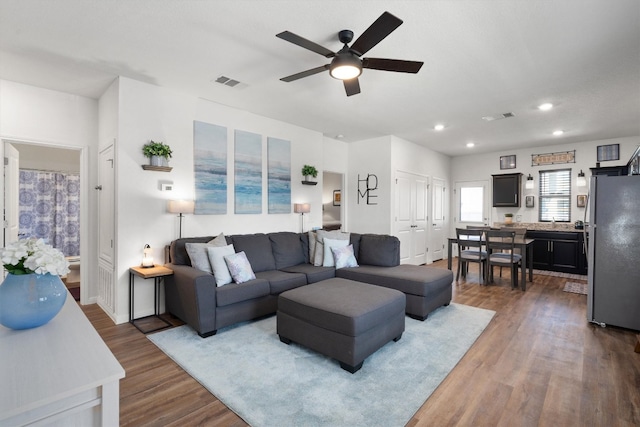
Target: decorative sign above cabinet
553	158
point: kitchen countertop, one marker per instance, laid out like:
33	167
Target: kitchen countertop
542	226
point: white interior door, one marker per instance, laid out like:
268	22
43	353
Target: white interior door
411	219
403	219
437	219
11	193
420	220
106	207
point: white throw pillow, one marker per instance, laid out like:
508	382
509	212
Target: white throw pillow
344	257
328	254
219	265
239	267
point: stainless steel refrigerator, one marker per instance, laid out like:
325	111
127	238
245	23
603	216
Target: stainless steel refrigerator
614	251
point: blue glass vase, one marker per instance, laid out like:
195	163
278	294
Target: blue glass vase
30	300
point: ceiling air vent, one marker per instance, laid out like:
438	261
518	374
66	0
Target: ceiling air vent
227	81
498	117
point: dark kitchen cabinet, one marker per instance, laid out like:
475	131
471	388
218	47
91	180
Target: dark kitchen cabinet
506	190
610	170
558	251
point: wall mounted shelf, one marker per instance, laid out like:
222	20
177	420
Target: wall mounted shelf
309	182
157	168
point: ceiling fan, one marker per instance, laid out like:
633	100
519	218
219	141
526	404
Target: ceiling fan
347	63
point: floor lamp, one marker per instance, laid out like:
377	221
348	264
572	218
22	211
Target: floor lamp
302	208
180	207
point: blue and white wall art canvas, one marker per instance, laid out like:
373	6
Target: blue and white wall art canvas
210	166
279	175
248	173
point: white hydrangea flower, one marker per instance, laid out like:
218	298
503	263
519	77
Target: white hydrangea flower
34	256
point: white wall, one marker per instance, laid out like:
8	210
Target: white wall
150	112
51	118
371	156
47	158
383	157
481	166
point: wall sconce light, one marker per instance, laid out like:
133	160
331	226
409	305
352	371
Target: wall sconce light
581	181
529	184
181	207
147	257
302	208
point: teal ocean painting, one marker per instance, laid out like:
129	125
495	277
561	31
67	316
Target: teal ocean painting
210	166
279	175
248	173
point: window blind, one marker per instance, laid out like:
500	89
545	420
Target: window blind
555	195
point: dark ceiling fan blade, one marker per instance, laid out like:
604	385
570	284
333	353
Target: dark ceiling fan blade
307	44
396	65
303	74
381	28
352	86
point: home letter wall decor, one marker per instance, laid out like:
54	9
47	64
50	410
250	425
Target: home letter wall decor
210	167
366	187
279	175
248	173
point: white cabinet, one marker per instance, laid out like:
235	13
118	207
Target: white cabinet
61	373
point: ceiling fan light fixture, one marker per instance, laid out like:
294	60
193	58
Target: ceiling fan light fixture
345	67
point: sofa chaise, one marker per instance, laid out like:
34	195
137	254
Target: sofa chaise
281	262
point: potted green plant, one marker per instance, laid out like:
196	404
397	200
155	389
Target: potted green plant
157	152
308	172
508	218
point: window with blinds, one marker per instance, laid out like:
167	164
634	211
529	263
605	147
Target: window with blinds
555	195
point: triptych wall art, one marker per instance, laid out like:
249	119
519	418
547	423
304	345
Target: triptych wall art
279	175
211	171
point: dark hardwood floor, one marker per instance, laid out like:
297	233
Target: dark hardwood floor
538	363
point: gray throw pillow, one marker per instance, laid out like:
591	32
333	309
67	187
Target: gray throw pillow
198	252
318	259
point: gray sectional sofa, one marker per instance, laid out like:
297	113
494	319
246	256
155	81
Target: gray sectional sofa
281	262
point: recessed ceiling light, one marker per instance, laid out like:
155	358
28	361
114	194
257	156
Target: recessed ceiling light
339	136
546	106
558	132
439	127
470	144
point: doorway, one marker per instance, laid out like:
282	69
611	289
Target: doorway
332	201
42	200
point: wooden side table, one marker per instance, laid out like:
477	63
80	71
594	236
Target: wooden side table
157	273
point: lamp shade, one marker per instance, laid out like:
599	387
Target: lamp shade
147	258
181	206
529	185
581	181
302	208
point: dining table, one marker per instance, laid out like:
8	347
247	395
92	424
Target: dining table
525	245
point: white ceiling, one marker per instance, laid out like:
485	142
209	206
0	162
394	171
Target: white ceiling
482	58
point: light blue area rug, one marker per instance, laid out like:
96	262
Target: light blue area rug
269	383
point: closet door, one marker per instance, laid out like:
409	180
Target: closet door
106	207
411	216
11	190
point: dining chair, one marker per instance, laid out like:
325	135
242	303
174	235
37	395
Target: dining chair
520	234
470	244
501	250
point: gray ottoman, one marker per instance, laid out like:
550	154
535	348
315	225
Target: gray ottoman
342	319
